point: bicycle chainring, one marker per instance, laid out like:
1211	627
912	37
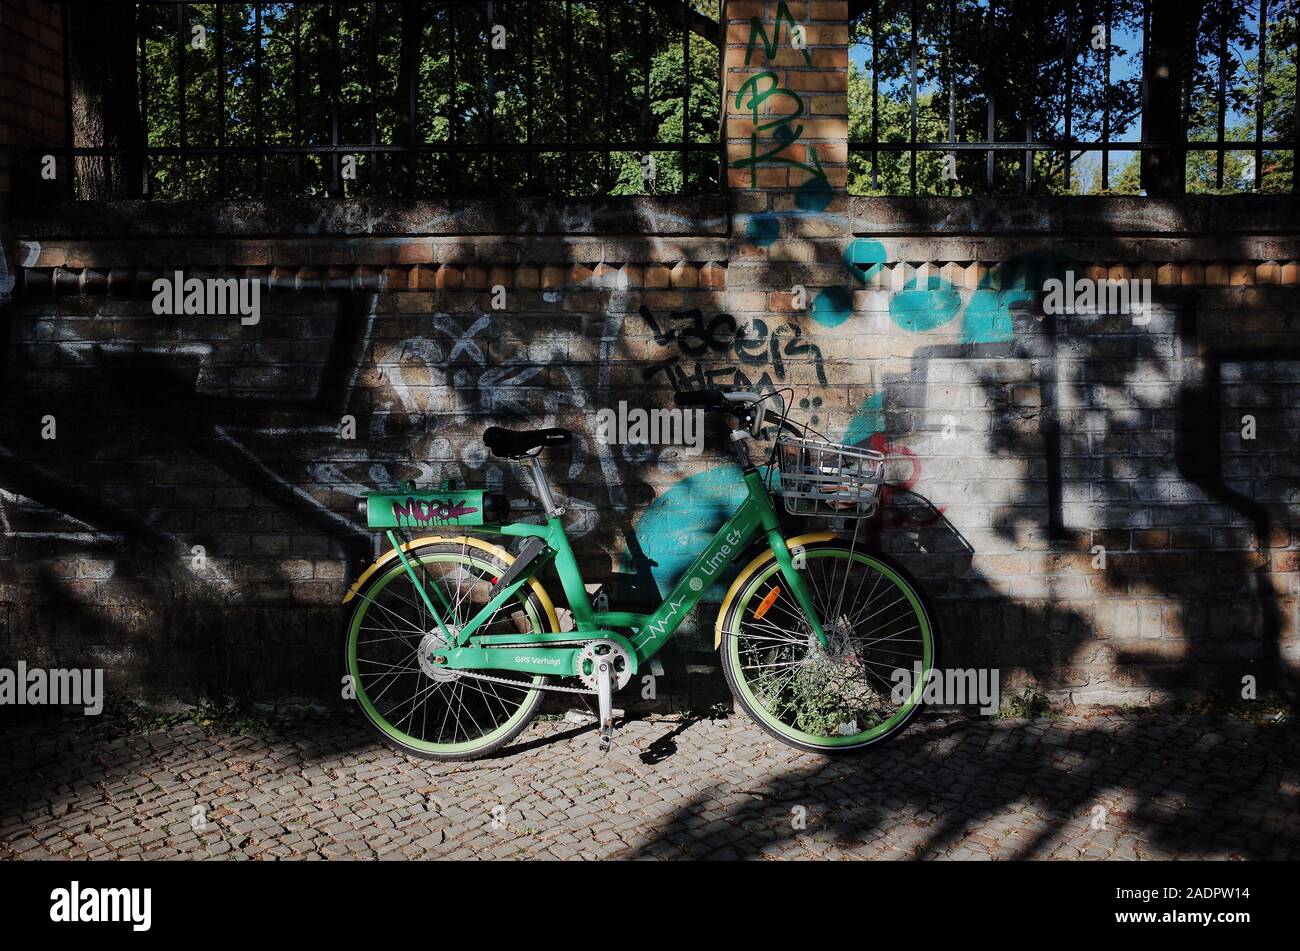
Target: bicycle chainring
595	651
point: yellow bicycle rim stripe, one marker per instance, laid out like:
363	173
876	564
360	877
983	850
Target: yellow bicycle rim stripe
464	541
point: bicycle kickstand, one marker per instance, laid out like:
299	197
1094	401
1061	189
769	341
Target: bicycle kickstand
605	695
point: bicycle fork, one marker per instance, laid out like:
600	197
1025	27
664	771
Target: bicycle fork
798	587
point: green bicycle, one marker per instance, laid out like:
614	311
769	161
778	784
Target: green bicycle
453	640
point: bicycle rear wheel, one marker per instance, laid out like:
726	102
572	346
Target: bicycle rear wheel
848	695
420	708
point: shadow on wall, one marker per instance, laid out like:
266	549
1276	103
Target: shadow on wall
233	444
124	535
1126	444
99	528
190	527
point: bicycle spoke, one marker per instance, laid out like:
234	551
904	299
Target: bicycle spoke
845	686
387	637
778	640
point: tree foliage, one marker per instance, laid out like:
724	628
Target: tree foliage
1020	60
567	101
580	93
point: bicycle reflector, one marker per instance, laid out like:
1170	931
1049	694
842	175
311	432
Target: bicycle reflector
766	604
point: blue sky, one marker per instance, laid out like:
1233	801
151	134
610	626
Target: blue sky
1128	40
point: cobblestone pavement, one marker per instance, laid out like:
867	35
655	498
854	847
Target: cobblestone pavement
1095	788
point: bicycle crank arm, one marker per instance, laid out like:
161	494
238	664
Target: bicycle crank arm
605	699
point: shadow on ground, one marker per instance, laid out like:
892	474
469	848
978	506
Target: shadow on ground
1109	787
1106	787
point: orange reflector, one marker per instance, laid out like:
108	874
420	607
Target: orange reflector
766	604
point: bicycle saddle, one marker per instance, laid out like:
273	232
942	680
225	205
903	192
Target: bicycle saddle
512	443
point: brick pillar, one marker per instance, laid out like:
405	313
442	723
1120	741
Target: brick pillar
785	71
31	106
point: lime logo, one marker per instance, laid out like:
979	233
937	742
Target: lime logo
696	584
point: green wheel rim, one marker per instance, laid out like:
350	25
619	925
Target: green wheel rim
746	602
370	596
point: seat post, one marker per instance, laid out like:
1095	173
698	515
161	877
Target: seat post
543	487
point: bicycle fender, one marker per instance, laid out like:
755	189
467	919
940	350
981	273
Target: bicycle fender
762	559
466	541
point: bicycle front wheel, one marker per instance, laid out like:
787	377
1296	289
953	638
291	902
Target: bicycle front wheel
861	688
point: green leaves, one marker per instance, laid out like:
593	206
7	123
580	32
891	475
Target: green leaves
322	74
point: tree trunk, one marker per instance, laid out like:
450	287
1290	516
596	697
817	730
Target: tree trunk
105	104
405	97
1167	73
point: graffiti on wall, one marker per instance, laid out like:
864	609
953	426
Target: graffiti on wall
762	95
424	394
761	347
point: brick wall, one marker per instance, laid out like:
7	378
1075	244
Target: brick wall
1075	492
31	83
31	103
1018	443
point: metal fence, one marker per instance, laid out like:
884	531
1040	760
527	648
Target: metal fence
411	98
1032	89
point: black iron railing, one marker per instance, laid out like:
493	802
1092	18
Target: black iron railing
1037	87
407	98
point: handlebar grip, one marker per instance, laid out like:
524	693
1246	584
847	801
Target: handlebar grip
710	399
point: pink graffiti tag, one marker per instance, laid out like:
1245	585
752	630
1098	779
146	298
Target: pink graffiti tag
433	511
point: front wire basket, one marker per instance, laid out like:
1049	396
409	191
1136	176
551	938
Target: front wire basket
826	479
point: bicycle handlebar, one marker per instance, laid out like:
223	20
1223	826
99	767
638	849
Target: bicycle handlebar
708	399
714	399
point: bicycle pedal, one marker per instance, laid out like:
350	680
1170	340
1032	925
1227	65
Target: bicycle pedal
580	717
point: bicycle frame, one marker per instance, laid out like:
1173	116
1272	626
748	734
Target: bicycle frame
468	651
